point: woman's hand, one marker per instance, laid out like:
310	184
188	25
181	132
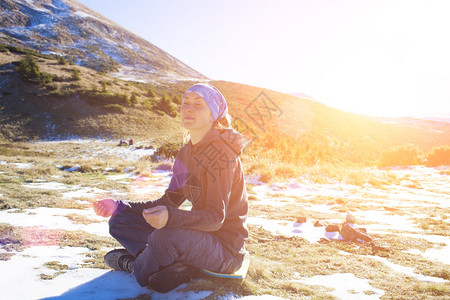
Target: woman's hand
105	207
156	216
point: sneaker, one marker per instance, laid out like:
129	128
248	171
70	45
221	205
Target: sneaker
120	260
172	276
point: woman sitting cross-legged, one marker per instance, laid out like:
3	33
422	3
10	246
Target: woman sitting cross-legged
166	246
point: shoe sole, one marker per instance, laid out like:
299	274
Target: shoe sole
169	278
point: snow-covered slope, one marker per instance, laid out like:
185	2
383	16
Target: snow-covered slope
68	28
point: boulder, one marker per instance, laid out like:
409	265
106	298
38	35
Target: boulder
301	219
352	234
332	228
320	223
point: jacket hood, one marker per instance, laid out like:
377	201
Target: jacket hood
229	136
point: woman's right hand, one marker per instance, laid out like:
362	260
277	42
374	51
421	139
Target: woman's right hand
105	207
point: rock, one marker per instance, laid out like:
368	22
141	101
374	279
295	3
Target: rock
350	218
301	220
320	223
332	228
350	233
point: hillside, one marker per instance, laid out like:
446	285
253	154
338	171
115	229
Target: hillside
71	29
270	117
98	105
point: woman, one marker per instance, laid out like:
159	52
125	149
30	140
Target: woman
166	246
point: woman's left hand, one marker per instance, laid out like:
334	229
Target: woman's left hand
156	216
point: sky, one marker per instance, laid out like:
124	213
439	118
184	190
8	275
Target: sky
387	58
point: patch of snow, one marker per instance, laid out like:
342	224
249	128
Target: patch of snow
254	180
437	254
46	185
55	219
132	74
116	285
95	149
26	266
85	192
132	46
386	221
22	165
275	202
32	4
84	15
121	176
345	286
306	230
407	270
76	282
49	52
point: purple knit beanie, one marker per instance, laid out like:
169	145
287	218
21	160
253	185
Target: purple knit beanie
213	97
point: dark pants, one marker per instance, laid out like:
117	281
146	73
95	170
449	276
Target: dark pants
163	247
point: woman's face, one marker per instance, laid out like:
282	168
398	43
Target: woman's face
195	113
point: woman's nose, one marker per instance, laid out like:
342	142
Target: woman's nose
186	107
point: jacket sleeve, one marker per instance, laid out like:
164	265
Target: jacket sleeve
219	181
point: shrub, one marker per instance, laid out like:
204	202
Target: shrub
439	156
104	84
168	150
28	68
100	98
3	48
61	93
133	98
46	78
75	85
115	108
75	75
400	156
62	60
177	99
51	86
167	106
151	93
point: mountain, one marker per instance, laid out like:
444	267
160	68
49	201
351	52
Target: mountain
70	29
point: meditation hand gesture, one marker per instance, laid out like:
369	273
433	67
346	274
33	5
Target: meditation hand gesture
156	216
105	207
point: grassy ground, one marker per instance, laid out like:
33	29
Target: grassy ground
277	262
